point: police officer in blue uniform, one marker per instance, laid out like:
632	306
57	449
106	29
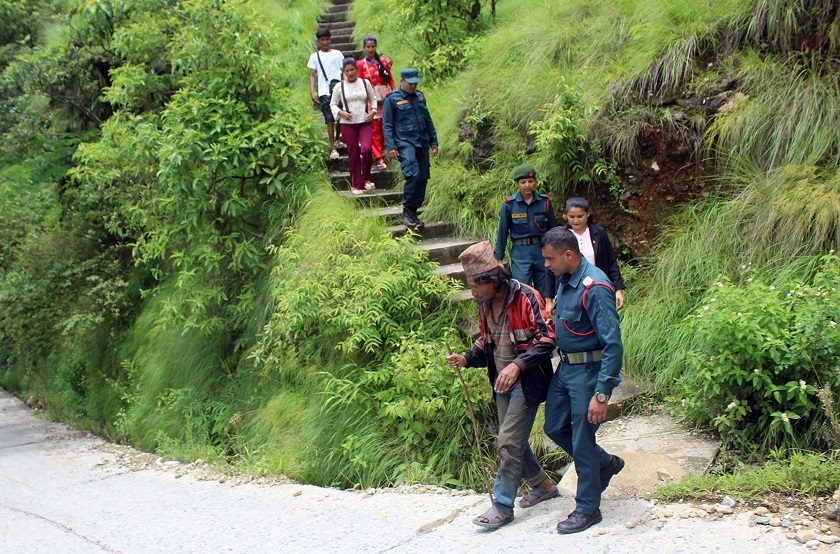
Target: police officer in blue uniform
589	341
526	217
409	135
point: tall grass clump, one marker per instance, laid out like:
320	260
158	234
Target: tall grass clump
791	117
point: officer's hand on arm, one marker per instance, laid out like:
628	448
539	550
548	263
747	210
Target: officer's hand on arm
597	411
549	306
394	154
434	150
619	299
506	379
456	360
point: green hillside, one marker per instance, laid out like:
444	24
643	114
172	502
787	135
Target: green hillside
176	273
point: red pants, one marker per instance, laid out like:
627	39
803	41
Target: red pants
378	140
358	137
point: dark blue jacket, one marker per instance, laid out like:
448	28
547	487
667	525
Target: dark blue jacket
406	121
521	220
587	320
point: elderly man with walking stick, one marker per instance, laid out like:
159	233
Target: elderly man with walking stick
515	344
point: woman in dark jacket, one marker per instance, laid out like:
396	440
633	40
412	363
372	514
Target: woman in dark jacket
594	243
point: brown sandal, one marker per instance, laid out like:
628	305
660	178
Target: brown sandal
495	518
537	495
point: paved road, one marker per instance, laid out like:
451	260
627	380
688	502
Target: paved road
64	491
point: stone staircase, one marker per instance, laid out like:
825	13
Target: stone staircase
337	19
437	238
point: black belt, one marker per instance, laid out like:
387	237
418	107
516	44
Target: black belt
580	357
527	241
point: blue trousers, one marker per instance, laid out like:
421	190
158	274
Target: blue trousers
527	265
414	163
516	459
566	408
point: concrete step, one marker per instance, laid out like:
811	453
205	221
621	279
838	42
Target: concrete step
339	26
445	250
340	165
383	179
656	449
334	17
431	230
463	296
391	212
342	34
338	8
377	199
456	271
341	2
346	48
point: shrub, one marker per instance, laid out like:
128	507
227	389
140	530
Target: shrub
762	354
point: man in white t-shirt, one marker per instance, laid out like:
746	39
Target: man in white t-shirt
325	68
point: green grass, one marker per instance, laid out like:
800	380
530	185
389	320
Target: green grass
776	223
792	116
803	473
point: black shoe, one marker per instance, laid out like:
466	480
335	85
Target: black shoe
412	215
577	522
613	468
407	220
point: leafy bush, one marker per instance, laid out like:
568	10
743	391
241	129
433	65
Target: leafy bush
361	315
762	353
441	34
188	186
562	135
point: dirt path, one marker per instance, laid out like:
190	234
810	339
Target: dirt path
71	492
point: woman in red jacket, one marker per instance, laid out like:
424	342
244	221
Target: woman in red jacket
377	70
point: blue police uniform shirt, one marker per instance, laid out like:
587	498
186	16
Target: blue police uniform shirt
523	220
406	119
595	327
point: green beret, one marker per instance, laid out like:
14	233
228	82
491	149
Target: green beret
524	171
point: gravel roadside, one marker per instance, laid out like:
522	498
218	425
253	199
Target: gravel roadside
74	492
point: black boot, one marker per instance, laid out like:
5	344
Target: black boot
613	468
408	220
578	521
417	220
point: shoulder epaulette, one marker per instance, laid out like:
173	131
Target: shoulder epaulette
422	95
587	281
507	200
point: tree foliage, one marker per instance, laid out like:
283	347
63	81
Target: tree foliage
186	183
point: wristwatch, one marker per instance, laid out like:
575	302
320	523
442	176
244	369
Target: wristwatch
601	397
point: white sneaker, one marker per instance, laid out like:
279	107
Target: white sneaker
334	155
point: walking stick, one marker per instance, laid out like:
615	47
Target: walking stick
474	426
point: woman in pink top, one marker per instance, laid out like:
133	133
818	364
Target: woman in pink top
353	105
377	70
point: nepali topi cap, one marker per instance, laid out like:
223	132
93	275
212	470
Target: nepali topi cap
478	258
